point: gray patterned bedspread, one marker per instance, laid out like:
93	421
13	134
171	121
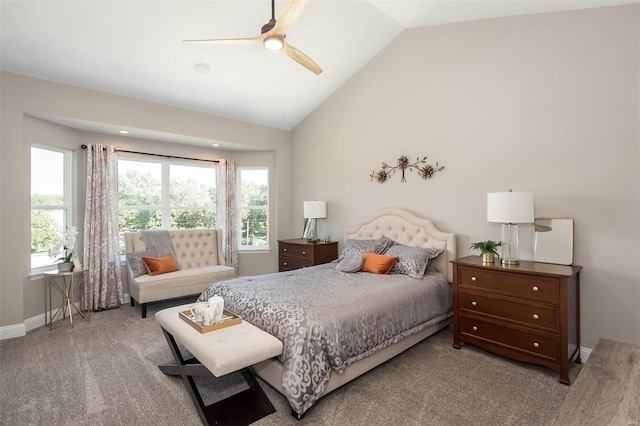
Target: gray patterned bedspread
328	319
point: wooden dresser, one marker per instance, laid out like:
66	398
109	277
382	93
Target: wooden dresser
528	312
299	253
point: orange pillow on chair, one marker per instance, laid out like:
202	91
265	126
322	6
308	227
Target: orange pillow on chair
378	263
160	265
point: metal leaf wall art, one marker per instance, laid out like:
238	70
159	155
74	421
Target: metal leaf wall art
425	170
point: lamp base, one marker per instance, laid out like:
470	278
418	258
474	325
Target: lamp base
311	230
510	244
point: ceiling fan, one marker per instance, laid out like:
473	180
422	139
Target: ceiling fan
273	34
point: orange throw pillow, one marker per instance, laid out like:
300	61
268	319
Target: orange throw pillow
160	265
378	263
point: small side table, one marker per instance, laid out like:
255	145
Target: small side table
67	284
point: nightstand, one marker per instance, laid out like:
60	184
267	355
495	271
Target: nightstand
299	253
528	312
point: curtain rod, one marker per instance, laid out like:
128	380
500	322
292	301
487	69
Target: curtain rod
83	146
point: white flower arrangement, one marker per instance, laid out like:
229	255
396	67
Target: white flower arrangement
66	244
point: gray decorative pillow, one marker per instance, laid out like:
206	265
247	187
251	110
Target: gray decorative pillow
412	261
351	263
383	244
135	261
360	247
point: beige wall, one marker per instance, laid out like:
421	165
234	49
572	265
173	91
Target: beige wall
543	103
22	298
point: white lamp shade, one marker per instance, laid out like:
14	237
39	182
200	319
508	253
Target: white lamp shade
510	207
316	209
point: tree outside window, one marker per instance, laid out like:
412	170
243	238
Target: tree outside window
253	207
50	201
165	195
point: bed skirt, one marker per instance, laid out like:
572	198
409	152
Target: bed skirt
271	370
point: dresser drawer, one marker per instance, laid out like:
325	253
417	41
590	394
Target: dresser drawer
300	253
526	286
295	250
528	314
287	263
520	340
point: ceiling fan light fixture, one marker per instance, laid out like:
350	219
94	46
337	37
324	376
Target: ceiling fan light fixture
274	42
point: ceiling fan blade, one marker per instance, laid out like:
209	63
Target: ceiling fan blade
247	40
290	13
302	59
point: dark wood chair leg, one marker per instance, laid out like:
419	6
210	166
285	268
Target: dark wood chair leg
144	310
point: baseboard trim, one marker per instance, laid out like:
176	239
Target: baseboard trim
19	330
12	331
37	321
585	353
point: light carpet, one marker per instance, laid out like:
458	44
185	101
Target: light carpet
104	372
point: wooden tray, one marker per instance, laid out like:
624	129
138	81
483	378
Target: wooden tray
228	319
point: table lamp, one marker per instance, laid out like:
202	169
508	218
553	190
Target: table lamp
510	209
313	210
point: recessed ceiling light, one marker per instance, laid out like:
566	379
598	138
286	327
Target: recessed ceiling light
215	144
124	132
201	68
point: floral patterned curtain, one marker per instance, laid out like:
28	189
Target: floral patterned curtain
103	285
226	217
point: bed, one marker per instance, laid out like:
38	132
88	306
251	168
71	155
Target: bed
336	325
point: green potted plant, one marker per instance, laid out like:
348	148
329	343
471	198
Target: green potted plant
488	250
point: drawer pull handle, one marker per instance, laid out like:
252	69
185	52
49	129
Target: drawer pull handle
536	345
284	249
474	279
535	316
285	263
535	288
474	328
304	252
474	303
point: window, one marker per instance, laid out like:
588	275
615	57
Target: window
50	201
165	195
253	208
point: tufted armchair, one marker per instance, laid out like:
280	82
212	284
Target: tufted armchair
201	262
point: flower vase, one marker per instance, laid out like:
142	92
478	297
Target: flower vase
65	266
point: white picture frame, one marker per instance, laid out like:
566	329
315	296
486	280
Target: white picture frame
553	240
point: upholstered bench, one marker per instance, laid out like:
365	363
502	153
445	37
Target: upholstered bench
201	261
220	352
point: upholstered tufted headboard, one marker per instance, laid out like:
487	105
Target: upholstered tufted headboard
406	228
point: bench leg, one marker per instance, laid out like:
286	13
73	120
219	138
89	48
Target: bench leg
242	408
133	302
143	306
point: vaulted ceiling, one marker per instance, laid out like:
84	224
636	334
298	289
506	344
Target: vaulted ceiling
135	48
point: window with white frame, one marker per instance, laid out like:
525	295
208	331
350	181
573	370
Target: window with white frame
253	208
165	194
50	202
